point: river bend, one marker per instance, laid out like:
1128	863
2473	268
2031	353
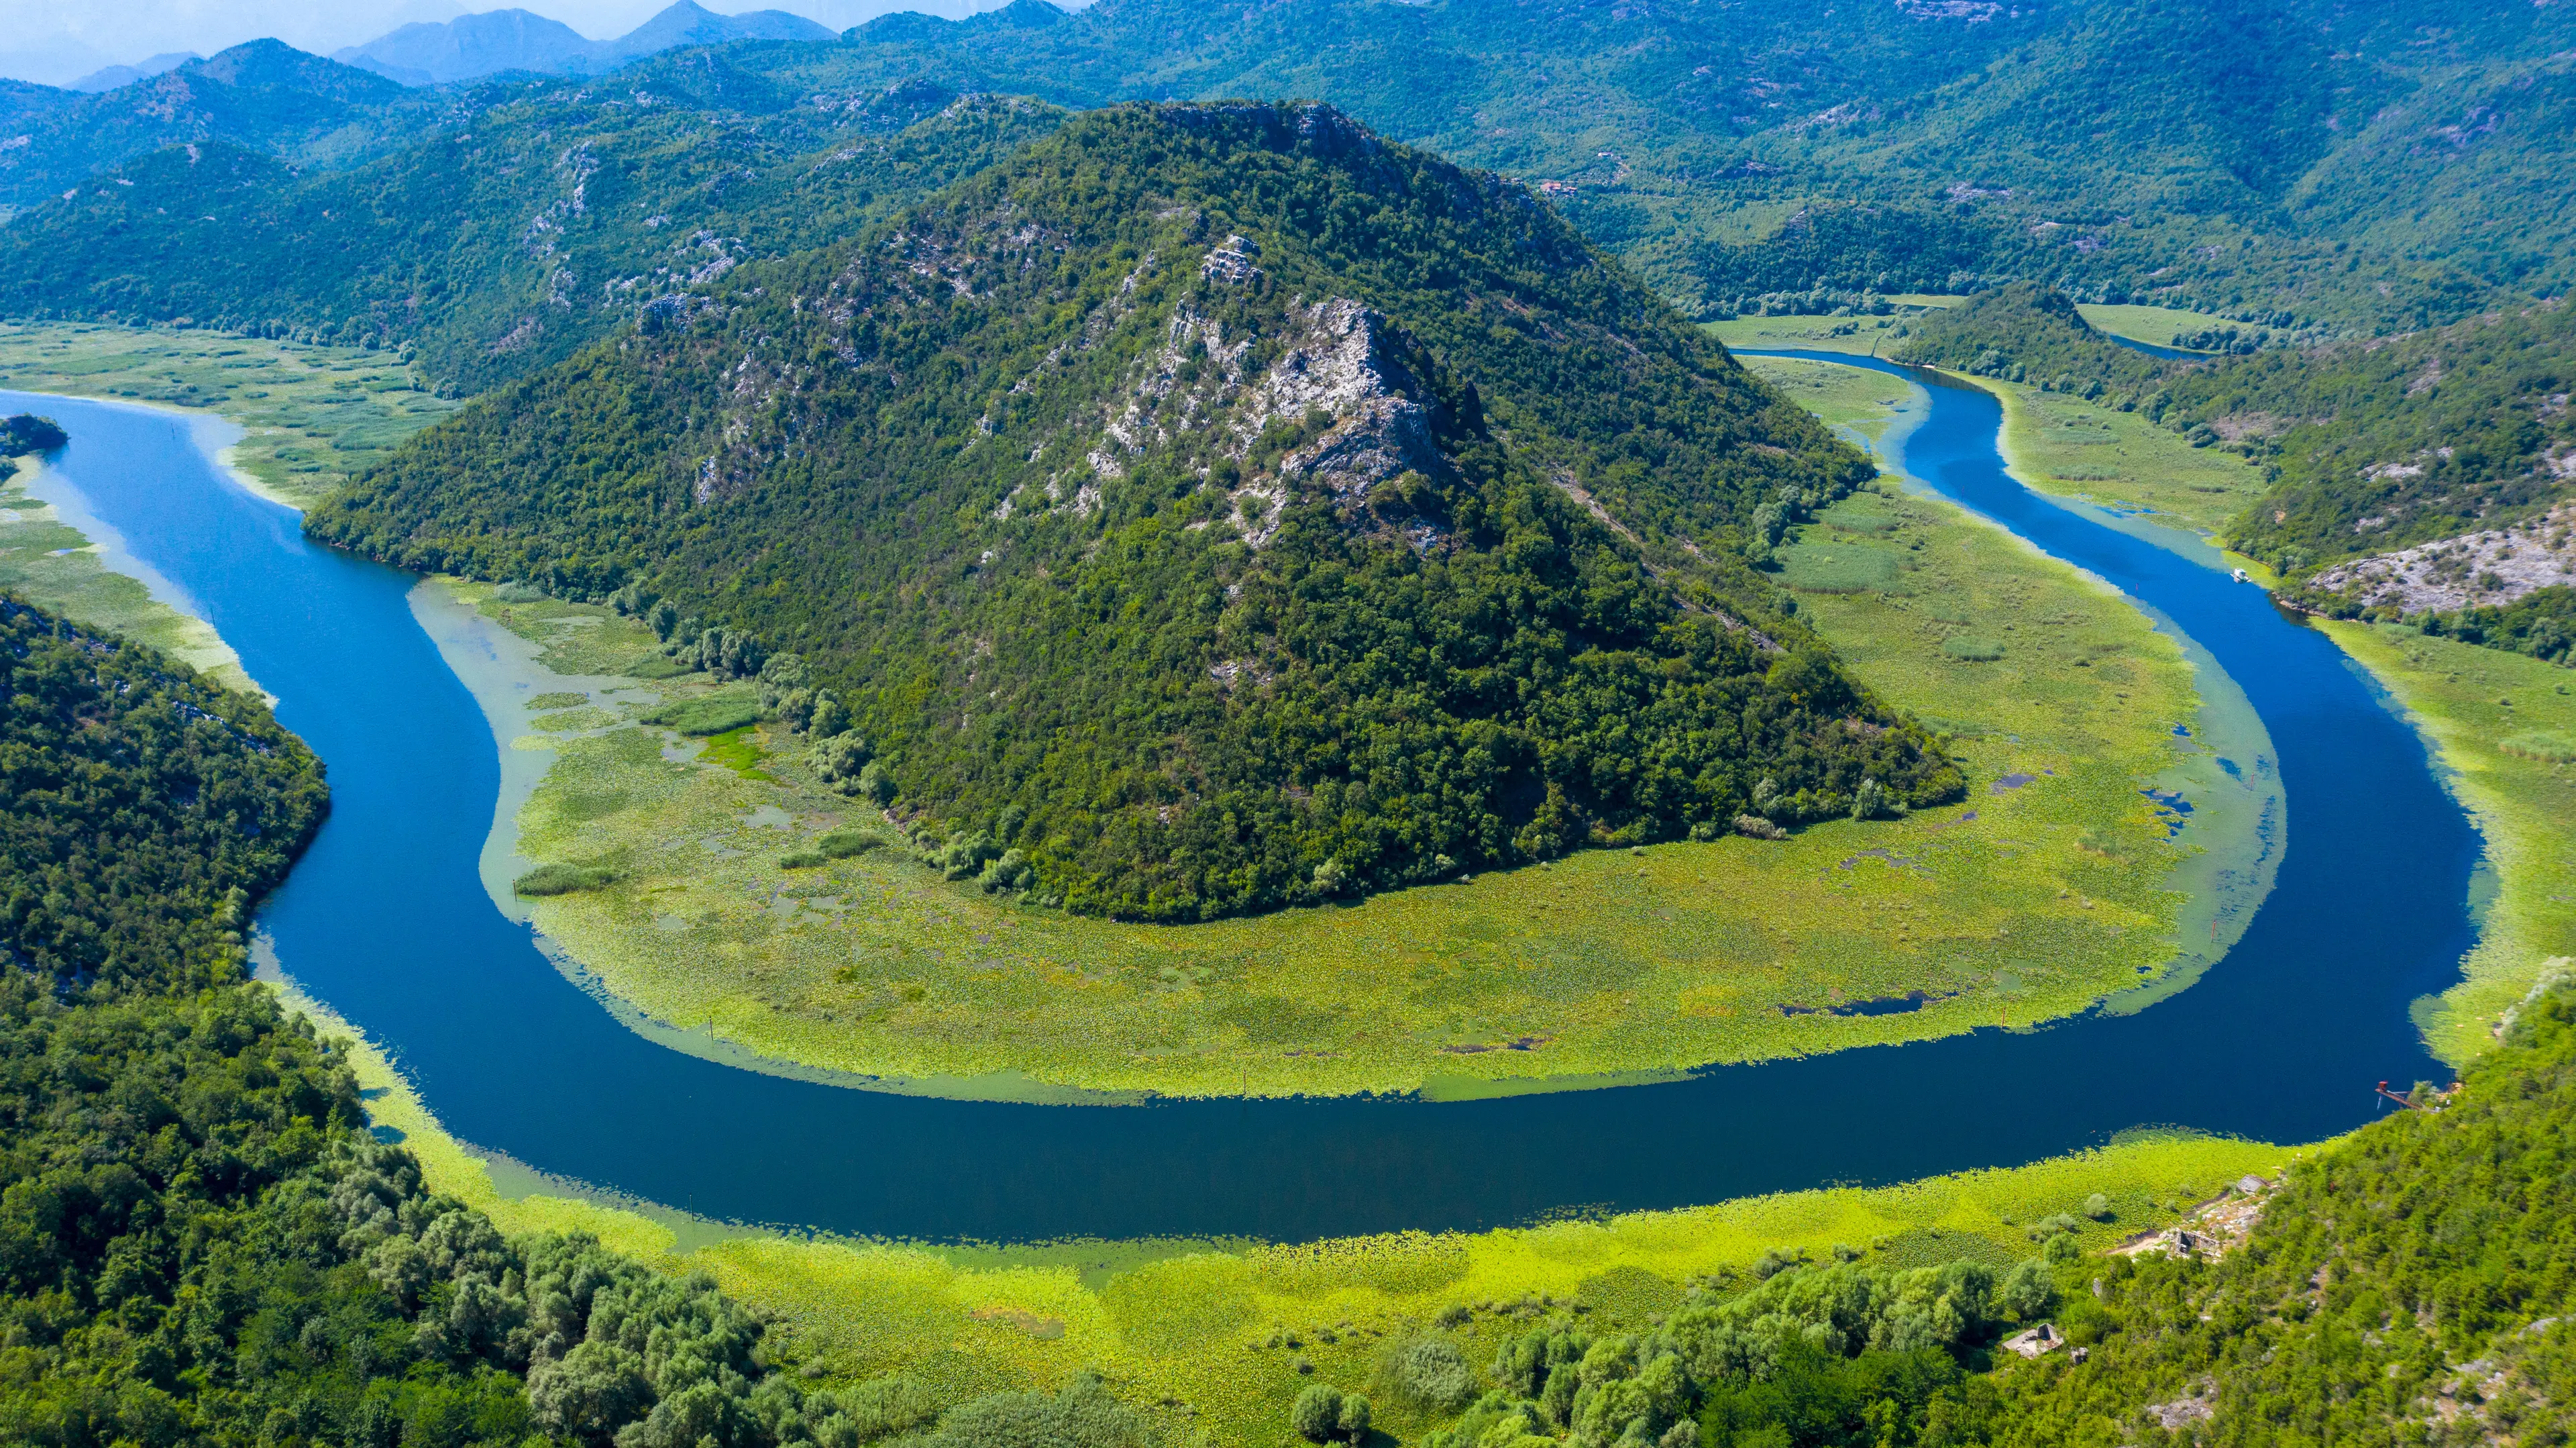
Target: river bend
387	921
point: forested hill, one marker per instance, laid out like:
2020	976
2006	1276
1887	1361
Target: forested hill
2371	446
142	809
1216	505
200	1242
540	221
2409	1284
263	95
2345	168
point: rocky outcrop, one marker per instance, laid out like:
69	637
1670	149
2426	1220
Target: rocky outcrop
2475	569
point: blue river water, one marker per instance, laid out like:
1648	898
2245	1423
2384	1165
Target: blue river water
386	920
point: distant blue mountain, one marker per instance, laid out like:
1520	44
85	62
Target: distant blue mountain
473	45
499	40
117	75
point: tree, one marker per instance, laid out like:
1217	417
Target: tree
1317	1413
2028	1290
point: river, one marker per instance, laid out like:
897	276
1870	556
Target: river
387	920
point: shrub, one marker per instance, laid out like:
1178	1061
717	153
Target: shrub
2098	1207
842	844
1975	651
1010	872
562	880
2548	748
1757	828
964	854
1432	1373
1317	1413
1870	800
2028	1290
2051	1226
715	714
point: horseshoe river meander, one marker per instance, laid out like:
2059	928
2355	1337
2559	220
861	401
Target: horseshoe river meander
388	920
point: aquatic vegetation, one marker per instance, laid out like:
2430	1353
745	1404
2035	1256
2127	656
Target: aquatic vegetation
706	714
2544	747
2496	721
2061	443
1211	1336
736	914
562	880
311	416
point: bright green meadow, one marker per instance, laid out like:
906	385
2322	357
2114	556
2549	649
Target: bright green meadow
2052	888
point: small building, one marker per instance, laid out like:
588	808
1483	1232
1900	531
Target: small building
2030	1342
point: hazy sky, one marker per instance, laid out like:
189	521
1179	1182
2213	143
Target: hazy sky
57	41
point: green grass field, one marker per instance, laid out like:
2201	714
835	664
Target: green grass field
2032	900
2155	326
310	415
1865	335
2059	443
1210	1335
2505	727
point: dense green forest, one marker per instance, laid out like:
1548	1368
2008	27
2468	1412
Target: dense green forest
200	1242
2381	444
2407	1285
498	249
2349	168
1195	506
2410	1284
23	434
2022	332
145	808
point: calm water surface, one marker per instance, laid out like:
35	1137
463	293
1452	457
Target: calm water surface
386	920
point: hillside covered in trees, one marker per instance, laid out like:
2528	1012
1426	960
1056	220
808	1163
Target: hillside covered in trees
2344	169
145	808
537	222
2459	437
200	1242
1218	505
2410	1284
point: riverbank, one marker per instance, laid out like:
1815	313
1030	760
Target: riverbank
1602	970
1217	1338
1876	336
2504	727
2522	797
2226	868
2045	893
309	416
48	560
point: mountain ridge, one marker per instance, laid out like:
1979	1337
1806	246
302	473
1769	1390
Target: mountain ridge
1187	517
496	41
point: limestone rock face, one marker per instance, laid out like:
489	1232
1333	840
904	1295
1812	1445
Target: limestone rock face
2487	568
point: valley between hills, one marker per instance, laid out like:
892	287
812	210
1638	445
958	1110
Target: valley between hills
1662	730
